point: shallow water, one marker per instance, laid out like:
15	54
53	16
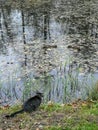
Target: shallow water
51	46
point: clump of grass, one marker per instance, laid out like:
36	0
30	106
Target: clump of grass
94	92
50	107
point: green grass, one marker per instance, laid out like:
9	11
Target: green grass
80	115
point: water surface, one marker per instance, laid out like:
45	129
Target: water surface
51	46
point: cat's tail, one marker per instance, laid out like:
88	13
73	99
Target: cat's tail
15	113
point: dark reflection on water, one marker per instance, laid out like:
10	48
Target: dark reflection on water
48	45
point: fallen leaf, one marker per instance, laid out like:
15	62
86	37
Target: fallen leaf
37	129
50	103
62	105
84	104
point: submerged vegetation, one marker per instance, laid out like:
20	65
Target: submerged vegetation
94	92
65	86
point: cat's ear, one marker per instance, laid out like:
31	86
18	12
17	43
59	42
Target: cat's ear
39	93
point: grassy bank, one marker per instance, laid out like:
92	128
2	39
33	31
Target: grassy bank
79	115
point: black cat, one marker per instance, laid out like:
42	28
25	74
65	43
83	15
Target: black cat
30	105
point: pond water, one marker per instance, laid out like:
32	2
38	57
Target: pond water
50	46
